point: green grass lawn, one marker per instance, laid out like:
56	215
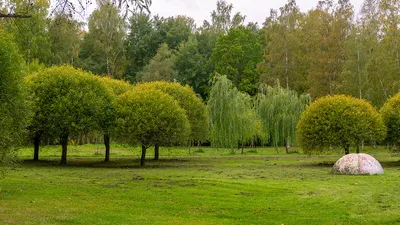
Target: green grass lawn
204	186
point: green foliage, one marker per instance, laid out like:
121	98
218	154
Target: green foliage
222	20
103	46
64	34
192	66
141	44
115	88
236	55
284	57
232	117
279	110
391	117
195	109
338	120
67	102
146	35
13	111
151	117
30	34
160	67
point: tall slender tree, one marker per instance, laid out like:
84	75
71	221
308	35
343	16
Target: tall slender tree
102	50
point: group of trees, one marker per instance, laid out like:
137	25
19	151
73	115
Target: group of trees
67	102
270	116
321	52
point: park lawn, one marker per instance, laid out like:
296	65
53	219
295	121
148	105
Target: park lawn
203	187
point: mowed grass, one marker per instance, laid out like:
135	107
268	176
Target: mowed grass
205	186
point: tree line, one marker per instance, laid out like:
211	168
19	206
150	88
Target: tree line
327	50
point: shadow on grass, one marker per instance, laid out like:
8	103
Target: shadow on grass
123	163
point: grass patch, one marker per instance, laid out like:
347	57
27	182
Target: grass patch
216	187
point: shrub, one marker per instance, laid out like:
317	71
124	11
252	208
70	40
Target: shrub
338	121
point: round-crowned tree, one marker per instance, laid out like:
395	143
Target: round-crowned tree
107	125
13	110
151	117
195	109
391	117
67	102
338	121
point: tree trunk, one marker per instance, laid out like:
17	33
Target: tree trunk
242	147
142	159
36	143
64	144
358	148
286	147
107	144
346	150
156	151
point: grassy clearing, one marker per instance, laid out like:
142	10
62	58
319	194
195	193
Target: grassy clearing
204	187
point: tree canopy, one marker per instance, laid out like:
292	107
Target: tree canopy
338	121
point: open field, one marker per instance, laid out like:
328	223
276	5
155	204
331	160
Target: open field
203	187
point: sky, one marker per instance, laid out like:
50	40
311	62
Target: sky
255	10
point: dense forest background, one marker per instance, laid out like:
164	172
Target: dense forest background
327	50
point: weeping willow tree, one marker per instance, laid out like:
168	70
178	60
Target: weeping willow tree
279	110
233	119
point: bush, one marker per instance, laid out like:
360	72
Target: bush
391	117
338	121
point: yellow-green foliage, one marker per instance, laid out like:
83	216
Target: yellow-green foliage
13	109
116	87
151	117
196	111
391	116
67	101
338	120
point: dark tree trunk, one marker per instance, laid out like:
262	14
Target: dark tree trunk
36	143
286	147
346	150
107	144
143	158
156	151
358	148
64	144
242	148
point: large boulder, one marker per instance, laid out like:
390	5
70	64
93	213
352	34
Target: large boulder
356	164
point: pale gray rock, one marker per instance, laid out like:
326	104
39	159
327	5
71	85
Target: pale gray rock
357	164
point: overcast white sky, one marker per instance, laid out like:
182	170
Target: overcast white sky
255	10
